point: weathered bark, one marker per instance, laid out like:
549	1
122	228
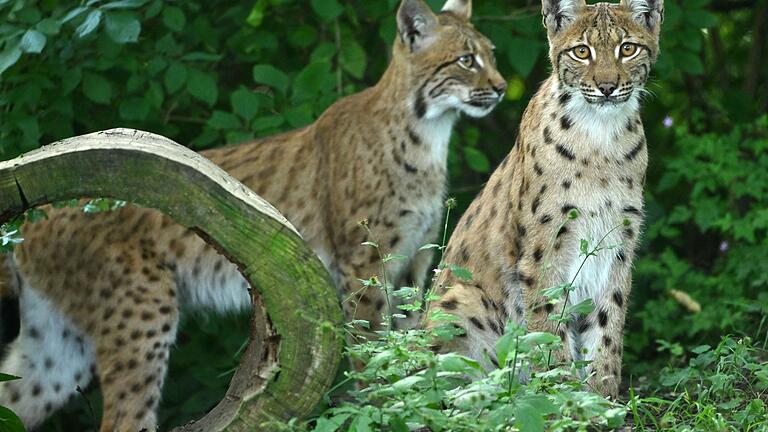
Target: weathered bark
294	349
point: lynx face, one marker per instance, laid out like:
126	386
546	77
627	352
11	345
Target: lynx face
453	65
604	51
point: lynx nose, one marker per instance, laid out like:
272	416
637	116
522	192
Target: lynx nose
500	88
607	88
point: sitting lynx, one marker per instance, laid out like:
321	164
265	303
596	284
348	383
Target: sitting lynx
100	293
581	149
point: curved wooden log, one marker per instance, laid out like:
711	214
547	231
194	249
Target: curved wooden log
294	349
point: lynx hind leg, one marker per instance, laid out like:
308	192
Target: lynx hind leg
480	320
50	355
132	350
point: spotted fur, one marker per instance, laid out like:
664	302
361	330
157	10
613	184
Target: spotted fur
101	293
582	150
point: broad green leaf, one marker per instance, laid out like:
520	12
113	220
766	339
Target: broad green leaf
175	77
122	27
327	9
353	58
9	57
74	13
224	120
91	23
124	4
49	26
331	424
33	42
584	308
476	160
9	421
530	411
134	109
523	53
245	103
271	76
256	16
459	272
268	122
299	116
97	88
174	18
309	83
202	86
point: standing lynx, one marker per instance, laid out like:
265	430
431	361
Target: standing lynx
581	153
100	293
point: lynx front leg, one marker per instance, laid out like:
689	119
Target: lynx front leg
603	339
132	351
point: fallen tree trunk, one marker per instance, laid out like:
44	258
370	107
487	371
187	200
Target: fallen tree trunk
294	348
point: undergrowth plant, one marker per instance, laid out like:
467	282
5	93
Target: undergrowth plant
406	386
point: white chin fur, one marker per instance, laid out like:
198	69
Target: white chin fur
601	121
476	112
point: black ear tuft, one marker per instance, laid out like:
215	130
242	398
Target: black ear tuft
559	14
649	13
416	24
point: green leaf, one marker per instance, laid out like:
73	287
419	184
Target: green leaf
122	27
134	109
327	9
476	160
522	54
202	86
584	246
175	77
245	103
49	26
174	18
308	84
271	76
9	421
256	16
74	13
459	272
268	122
224	120
299	116
97	88
5	377
689	62
584	308
90	24
530	411
33	42
124	4
9	57
353	58
331	424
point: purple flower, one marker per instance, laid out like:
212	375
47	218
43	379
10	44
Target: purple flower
724	246
668	122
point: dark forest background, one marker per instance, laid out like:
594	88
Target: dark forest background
208	73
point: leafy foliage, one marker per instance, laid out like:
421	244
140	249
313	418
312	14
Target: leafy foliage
216	72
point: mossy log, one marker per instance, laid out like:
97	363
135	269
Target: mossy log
294	348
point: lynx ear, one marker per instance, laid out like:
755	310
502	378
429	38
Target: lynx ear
649	13
559	14
416	24
460	8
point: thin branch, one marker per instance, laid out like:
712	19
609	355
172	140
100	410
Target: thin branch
752	73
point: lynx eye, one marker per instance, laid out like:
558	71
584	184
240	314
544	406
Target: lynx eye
467	61
628	49
582	52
